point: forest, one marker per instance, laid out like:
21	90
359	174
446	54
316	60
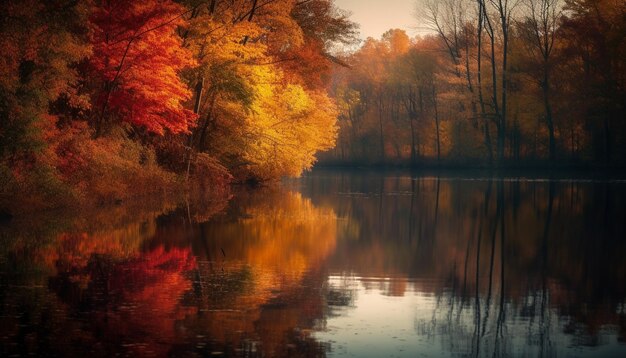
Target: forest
495	83
101	101
105	100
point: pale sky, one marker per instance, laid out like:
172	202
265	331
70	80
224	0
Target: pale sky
378	16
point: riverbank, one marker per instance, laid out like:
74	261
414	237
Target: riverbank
76	172
517	169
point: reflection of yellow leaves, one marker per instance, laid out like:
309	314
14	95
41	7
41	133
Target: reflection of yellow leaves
292	235
280	238
75	250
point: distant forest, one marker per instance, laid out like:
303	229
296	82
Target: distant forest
497	83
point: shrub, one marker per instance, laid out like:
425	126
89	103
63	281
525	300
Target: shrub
110	169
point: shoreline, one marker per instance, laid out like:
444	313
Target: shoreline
557	171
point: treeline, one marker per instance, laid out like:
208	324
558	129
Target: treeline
108	99
497	83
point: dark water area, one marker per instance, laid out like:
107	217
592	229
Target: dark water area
336	263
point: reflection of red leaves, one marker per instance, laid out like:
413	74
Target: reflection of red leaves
151	267
74	251
153	284
143	292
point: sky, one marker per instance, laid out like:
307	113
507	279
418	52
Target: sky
378	16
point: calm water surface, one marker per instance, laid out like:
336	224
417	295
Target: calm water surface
334	264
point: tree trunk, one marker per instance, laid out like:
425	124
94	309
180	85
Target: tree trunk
481	100
254	5
502	128
381	112
548	109
198	95
494	82
436	123
607	140
505	13
413	154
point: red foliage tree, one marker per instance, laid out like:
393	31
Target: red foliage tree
137	57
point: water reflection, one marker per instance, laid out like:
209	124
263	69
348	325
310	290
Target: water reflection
258	288
484	267
247	282
336	264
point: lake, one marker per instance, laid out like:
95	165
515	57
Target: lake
337	263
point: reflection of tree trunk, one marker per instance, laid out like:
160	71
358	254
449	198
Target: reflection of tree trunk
437	202
493	238
546	229
204	237
420	223
491	262
380	205
477	313
465	265
501	310
411	209
545	328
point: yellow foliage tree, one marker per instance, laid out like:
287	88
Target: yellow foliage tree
286	127
255	114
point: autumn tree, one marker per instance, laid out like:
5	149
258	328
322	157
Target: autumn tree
41	44
286	127
593	35
539	29
504	12
480	28
515	71
325	29
459	28
414	73
255	58
135	66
